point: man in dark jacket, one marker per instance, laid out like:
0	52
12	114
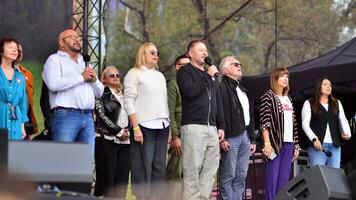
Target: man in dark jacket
240	137
202	123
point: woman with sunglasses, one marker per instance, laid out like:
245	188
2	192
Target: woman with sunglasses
147	106
325	124
13	99
112	147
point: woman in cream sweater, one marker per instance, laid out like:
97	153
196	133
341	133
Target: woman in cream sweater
145	101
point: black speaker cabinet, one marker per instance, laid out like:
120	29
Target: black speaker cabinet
352	182
255	180
317	183
67	165
3	150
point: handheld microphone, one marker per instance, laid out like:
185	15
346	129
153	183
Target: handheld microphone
327	153
86	59
207	61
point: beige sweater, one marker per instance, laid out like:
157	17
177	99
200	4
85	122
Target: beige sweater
146	94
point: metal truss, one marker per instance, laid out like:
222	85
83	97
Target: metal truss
87	21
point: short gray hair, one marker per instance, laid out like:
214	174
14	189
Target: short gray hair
224	63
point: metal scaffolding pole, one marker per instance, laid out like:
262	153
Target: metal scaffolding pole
87	21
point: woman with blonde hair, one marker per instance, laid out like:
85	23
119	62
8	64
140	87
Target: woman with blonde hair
280	136
147	106
112	149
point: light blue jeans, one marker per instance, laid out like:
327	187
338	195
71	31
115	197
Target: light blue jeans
319	158
234	166
73	126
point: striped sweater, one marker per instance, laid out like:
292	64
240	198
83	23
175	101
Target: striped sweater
271	118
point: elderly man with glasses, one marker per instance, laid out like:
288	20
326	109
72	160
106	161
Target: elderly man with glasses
239	133
73	88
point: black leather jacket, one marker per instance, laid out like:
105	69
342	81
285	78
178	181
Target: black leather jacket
107	110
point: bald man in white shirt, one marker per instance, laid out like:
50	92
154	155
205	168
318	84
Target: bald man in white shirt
73	88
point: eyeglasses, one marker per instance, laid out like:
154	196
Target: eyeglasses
74	37
114	75
236	64
154	53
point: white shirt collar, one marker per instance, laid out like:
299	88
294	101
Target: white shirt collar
63	53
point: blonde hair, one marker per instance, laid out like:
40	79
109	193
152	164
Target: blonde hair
141	55
104	75
276	73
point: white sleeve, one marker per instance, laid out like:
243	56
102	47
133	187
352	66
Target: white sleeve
52	76
306	116
98	88
130	94
120	133
344	125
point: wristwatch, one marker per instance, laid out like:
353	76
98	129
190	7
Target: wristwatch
314	139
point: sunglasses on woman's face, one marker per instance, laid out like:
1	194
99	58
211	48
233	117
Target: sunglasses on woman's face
114	75
154	53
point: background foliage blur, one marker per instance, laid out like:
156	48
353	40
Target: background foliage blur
303	29
248	29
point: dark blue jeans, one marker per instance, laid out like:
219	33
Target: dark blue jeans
148	162
72	126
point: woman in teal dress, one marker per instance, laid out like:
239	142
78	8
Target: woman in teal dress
13	100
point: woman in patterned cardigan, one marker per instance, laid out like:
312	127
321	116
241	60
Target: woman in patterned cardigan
278	123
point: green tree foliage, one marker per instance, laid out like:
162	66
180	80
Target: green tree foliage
246	28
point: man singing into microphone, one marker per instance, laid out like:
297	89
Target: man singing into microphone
73	88
202	123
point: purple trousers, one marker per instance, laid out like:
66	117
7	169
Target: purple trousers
277	172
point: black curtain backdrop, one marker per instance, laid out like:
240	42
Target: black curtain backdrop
36	24
338	65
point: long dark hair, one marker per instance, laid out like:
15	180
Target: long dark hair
315	100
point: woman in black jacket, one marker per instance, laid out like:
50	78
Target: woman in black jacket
112	138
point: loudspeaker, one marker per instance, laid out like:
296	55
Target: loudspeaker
255	180
318	182
352	182
3	150
67	165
